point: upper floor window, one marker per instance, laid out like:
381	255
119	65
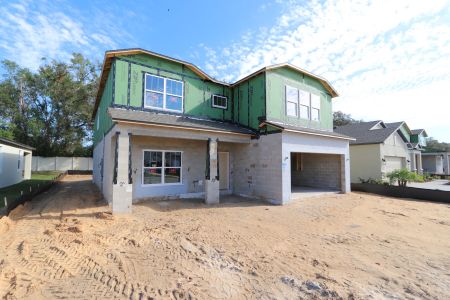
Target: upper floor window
291	101
219	101
302	103
163	93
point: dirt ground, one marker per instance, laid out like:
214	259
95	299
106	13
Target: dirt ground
66	244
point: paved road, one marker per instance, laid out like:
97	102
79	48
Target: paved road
432	185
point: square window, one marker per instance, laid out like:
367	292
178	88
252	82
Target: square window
152	176
219	101
304	98
174	87
304	112
172	175
152	159
154	83
174	103
153	99
291	109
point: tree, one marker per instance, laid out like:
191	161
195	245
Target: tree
49	109
341	119
434	145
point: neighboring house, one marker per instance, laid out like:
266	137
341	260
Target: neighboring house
15	162
436	163
416	145
378	148
163	128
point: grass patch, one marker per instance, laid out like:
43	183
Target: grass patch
37	180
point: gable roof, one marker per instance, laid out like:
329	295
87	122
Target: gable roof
364	134
419	131
322	80
110	54
12	143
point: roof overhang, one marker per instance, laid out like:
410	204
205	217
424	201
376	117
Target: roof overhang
12	143
306	131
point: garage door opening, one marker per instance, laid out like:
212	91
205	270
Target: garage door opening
315	174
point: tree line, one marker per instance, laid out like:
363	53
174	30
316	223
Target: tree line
50	109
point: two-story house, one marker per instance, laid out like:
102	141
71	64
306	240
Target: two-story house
163	128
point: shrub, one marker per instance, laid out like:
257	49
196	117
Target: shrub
402	177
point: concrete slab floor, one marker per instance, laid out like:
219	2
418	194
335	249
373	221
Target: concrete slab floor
300	192
441	184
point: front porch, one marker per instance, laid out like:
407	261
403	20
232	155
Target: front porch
162	163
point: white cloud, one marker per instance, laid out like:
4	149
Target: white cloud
30	31
388	59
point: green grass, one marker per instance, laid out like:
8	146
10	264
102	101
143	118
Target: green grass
38	179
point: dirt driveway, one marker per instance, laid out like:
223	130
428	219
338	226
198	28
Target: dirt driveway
65	244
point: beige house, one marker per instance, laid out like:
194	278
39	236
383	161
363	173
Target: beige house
378	148
15	162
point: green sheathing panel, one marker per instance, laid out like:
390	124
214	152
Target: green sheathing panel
277	79
414	138
105	121
249	101
405	132
198	93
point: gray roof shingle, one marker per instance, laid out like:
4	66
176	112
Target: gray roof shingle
364	135
150	117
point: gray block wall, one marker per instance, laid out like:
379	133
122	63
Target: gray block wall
318	170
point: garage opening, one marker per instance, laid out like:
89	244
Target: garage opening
315	174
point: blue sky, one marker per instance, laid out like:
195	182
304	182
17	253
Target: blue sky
389	60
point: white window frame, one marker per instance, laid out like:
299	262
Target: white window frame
219	106
162	168
297	111
308	107
164	93
312	107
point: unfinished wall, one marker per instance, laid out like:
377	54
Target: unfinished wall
318	170
257	169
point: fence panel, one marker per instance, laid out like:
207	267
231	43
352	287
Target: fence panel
40	163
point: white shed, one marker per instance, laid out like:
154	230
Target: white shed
15	162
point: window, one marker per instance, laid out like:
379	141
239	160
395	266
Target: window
161	167
291	101
315	107
219	101
304	104
163	93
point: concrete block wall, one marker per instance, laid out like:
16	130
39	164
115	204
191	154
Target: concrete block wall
257	168
318	170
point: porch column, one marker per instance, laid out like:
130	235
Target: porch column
212	173
122	186
345	173
419	163
414	167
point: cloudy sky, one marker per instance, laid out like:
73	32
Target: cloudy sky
389	60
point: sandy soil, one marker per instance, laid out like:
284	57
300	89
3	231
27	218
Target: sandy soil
66	244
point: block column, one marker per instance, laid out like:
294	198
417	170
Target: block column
212	173
345	173
122	186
